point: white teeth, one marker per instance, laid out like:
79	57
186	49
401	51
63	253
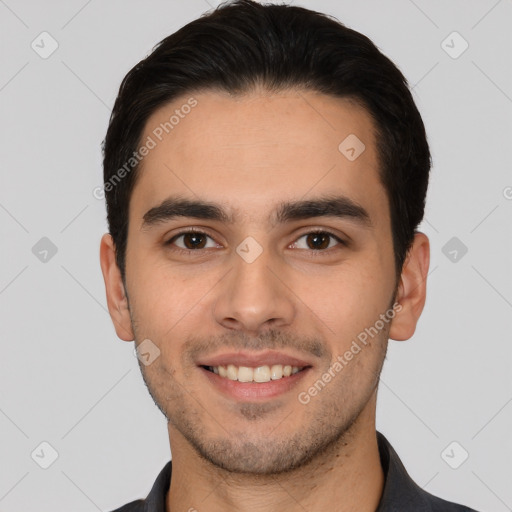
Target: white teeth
276	372
260	374
232	372
245	374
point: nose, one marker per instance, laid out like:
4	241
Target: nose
254	296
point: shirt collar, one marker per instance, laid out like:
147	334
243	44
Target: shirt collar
399	488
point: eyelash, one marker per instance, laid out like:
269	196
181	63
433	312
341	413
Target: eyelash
314	252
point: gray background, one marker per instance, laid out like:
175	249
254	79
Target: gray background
67	380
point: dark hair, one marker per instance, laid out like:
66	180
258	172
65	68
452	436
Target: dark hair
243	44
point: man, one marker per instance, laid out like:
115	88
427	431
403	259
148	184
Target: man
265	172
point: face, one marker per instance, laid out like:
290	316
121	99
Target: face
259	255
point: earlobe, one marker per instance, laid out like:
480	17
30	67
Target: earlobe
117	300
411	294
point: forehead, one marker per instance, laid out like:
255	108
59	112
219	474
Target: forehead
254	150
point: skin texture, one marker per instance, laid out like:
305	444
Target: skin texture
248	154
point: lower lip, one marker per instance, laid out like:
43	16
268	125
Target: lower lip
254	390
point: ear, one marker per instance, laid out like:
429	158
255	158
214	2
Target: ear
412	290
117	300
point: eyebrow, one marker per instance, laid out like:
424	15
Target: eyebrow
331	206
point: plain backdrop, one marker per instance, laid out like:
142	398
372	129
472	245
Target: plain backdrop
65	378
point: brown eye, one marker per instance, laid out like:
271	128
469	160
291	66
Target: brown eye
317	241
192	240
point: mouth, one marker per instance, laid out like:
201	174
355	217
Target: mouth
258	374
245	376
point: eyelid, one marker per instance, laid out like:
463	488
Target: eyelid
309	231
323	231
186	231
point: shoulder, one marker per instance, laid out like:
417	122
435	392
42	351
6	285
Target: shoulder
436	504
401	493
155	500
134	506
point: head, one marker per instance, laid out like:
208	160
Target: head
294	150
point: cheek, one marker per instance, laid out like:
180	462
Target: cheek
348	298
166	301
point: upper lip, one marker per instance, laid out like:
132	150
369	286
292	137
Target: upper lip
253	359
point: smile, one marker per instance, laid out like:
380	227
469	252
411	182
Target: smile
258	374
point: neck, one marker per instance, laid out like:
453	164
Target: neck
347	477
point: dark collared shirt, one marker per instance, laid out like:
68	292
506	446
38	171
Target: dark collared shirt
400	493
